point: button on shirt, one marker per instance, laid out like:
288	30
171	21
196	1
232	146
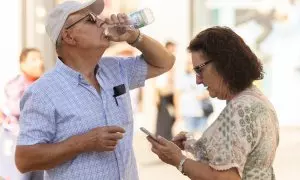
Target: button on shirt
62	104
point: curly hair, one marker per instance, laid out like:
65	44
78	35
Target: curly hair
231	57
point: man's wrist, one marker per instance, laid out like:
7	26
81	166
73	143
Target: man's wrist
78	143
136	40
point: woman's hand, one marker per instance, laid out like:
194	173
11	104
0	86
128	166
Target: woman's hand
180	139
166	150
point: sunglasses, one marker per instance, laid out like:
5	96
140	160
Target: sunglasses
91	17
198	69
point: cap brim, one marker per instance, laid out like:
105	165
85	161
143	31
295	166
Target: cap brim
97	6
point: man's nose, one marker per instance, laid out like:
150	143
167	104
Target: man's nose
199	79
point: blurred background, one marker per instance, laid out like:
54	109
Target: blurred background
270	27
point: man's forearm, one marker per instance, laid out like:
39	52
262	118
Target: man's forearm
46	156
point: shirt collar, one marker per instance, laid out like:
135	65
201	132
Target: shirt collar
71	74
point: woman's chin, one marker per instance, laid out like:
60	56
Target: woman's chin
211	94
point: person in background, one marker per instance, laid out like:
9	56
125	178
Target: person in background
31	68
190	98
165	89
242	141
76	121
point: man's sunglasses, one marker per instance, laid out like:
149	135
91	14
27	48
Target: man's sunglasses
91	17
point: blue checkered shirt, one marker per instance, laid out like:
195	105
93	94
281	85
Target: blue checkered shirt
62	104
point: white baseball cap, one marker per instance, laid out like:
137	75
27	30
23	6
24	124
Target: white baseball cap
58	16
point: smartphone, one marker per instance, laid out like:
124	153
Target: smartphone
148	133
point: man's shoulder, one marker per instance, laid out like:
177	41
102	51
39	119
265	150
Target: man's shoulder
109	61
114	60
45	82
110	65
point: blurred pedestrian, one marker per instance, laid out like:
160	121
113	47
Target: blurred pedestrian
191	100
165	89
32	67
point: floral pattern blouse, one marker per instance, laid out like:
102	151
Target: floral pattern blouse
244	136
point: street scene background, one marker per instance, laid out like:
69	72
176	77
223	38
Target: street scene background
270	27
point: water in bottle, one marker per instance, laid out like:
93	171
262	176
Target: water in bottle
138	19
141	18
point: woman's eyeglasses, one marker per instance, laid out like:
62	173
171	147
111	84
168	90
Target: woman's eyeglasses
91	17
198	69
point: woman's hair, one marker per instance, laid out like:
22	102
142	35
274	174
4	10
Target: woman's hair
232	58
25	52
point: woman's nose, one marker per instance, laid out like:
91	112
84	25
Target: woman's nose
199	79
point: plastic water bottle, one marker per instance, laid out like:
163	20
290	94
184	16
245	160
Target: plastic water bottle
138	20
141	18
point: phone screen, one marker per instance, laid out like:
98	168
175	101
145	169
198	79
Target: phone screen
148	133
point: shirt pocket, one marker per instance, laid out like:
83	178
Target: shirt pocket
123	105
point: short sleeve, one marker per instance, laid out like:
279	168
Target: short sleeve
37	119
135	70
235	134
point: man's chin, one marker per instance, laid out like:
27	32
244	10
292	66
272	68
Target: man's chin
105	45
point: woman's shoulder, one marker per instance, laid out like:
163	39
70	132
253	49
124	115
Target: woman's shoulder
253	97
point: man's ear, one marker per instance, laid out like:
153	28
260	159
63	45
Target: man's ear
68	38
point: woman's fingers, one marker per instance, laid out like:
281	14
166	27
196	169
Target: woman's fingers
180	136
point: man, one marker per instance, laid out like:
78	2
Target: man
76	121
32	67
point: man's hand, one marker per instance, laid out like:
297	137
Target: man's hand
48	156
118	28
101	139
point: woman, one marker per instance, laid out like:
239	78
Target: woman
242	141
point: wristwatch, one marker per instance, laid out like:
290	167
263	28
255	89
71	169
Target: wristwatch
137	40
180	166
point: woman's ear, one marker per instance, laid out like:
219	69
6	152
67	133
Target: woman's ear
67	37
